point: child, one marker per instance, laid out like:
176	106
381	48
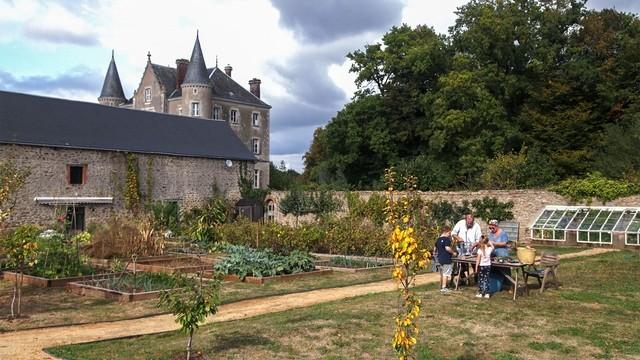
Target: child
483	261
444	251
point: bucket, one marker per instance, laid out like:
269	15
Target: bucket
526	255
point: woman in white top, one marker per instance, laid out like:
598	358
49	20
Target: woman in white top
483	264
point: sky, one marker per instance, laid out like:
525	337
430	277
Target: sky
296	47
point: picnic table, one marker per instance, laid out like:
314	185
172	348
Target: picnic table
516	265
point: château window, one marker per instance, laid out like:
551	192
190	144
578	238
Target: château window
256	179
195	109
233	116
147	95
256	146
76	174
255	119
216	113
179	110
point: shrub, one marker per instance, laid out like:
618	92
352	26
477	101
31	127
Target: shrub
166	216
200	223
21	249
121	238
59	257
486	208
525	169
596	186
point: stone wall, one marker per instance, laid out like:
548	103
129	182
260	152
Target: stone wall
186	180
527	204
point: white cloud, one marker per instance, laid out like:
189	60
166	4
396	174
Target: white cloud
437	14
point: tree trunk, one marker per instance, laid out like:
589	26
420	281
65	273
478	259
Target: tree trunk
20	294
189	345
15	294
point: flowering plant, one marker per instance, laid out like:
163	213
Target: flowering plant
408	259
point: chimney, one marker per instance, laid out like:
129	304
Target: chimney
227	70
254	87
181	71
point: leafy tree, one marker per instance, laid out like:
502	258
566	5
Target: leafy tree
20	248
282	179
323	204
296	203
191	303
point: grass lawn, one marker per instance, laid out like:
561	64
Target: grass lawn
594	315
56	306
558	249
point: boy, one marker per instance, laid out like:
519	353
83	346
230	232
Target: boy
444	250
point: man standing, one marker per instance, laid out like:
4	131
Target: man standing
467	232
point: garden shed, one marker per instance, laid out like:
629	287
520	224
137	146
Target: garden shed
617	227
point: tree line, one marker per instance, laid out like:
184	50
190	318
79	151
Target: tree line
519	93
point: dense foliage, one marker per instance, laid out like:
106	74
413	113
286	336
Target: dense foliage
59	256
346	236
245	261
281	178
486	208
142	282
595	186
519	93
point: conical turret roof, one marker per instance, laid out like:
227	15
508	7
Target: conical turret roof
197	69
112	87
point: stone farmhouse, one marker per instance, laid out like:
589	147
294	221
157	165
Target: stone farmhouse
185	131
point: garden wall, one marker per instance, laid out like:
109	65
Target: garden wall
526	203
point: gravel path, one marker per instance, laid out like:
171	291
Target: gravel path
28	344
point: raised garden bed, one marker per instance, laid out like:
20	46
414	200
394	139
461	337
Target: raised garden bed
141	286
268	279
165	263
351	264
47	282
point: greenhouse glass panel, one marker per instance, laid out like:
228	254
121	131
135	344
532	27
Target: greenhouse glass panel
600	220
632	239
634	226
543	218
583	236
553	219
588	220
605	237
625	220
559	234
577	220
612	221
566	218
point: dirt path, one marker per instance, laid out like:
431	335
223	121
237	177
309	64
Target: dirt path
27	344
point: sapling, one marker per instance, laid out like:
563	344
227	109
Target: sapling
21	252
191	302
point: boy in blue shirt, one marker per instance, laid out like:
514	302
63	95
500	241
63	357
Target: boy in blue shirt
444	252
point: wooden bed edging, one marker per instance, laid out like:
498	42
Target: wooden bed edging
46	282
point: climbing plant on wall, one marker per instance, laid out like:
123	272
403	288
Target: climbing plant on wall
132	184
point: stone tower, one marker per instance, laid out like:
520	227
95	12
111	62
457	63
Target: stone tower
112	93
196	89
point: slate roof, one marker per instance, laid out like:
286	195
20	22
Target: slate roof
112	87
166	76
226	88
197	69
41	121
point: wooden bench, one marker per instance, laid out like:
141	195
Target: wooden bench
549	267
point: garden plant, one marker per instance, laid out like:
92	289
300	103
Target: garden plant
409	257
191	304
21	254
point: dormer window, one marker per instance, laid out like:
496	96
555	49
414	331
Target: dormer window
147	95
255	119
216	113
233	116
195	109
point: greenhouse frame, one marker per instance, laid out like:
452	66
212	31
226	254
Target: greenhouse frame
598	225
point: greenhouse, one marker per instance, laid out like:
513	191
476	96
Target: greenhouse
588	224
